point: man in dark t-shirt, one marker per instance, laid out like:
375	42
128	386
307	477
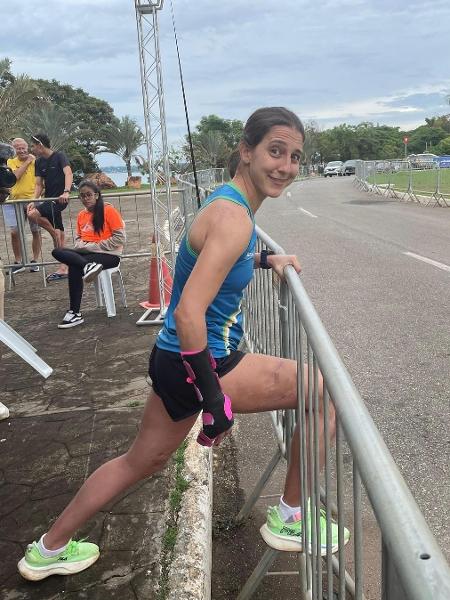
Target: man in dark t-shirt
54	173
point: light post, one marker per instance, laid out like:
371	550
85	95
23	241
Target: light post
405	141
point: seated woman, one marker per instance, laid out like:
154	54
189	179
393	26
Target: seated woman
98	245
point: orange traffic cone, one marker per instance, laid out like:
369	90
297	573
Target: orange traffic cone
153	285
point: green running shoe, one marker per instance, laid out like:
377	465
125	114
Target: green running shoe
75	558
287	536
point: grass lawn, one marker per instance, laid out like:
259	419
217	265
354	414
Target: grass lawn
124	188
423	182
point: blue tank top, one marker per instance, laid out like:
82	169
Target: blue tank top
223	316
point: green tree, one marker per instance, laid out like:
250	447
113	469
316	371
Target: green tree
443	122
17	95
89	113
177	164
123	138
231	129
213	141
311	147
328	146
425	138
443	147
58	124
212	149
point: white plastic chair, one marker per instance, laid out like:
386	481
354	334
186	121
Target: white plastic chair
104	291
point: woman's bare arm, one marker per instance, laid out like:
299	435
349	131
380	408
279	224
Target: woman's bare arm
219	236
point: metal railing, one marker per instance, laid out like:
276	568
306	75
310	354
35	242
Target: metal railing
136	211
280	320
429	185
343	475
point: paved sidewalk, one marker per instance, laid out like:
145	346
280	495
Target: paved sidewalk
62	428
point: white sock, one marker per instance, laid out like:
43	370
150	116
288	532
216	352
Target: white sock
48	553
288	512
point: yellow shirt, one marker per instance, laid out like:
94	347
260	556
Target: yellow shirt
24	188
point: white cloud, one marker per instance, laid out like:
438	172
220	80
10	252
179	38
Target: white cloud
335	61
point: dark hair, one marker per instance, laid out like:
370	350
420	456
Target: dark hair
233	162
41	138
263	119
98	218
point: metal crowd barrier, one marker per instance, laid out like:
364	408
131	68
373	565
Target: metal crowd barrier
392	555
399	179
135	208
207	179
279	319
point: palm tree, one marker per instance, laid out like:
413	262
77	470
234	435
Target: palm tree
212	149
58	124
123	138
17	96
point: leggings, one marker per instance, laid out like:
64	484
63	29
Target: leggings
76	261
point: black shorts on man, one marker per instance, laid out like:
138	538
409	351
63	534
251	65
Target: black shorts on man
51	171
52	210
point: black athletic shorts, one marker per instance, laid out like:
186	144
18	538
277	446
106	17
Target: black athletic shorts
168	377
52	210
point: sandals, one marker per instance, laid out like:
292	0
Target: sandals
56	276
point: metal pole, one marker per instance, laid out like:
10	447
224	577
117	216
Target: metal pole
156	142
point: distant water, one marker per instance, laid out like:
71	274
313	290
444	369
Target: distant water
120	178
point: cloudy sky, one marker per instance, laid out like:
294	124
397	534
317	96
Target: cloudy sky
333	61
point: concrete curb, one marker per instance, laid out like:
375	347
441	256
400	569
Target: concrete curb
190	571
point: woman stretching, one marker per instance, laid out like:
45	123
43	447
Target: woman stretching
98	245
195	365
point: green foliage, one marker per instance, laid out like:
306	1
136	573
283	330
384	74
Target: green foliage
171	533
88	113
365	140
70	116
55	122
442	122
177	163
88	110
425	137
231	129
17	95
443	147
213	140
123	137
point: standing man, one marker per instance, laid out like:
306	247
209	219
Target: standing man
52	171
7	180
22	166
4	193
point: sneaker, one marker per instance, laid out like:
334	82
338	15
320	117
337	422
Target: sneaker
34	268
4	411
71	319
287	536
75	558
17	268
91	271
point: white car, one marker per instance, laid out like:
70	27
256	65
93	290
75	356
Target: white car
333	168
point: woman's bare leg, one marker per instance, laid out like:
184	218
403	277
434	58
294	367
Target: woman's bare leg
157	439
62	268
263	383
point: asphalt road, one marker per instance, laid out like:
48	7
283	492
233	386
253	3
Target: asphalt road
387	313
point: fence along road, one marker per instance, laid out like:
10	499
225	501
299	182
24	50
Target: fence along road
428	185
274	320
386	312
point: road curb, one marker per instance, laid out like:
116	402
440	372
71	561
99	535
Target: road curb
190	571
